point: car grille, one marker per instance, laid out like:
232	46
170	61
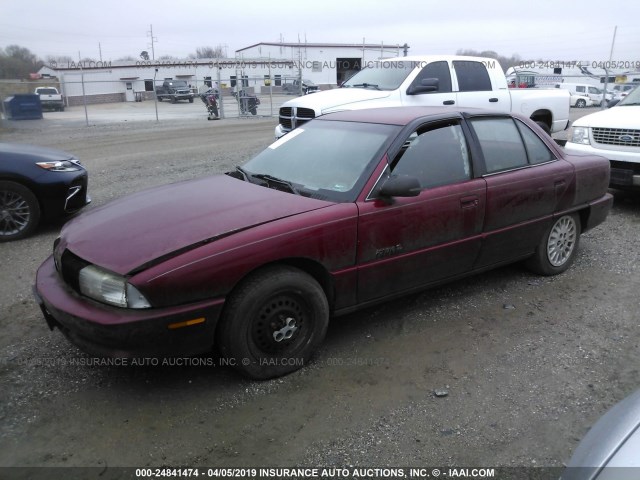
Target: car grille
617	136
292	117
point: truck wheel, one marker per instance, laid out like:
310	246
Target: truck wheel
544	127
19	211
581	103
159	99
273	322
558	246
173	100
191	100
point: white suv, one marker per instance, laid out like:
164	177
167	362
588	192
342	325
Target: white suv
613	134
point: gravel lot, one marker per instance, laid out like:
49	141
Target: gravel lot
528	363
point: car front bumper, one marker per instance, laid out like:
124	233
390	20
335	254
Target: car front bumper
106	331
625	164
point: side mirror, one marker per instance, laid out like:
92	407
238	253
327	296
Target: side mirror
400	186
426	85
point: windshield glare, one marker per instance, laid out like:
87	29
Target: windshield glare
383	75
633	98
329	160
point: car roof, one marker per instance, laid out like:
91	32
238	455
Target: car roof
404	115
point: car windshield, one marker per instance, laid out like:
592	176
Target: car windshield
632	99
382	76
329	160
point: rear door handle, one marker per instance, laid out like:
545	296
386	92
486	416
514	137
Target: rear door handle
449	102
469	202
493	100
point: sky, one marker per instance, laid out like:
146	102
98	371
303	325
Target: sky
547	30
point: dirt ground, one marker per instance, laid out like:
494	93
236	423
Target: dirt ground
528	363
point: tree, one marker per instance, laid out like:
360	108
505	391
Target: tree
126	58
209	52
505	62
18	62
144	55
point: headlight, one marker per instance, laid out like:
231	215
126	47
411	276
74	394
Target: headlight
107	287
579	135
61	166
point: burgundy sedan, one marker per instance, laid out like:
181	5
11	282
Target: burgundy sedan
352	209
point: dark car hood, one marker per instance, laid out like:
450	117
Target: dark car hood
140	228
17	152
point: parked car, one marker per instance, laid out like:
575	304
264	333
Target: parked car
597	95
352	209
615	134
299	88
50	98
611	447
580	101
37	183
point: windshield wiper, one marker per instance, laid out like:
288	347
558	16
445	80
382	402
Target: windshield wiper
366	85
271	179
243	172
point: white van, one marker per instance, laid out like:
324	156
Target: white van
594	93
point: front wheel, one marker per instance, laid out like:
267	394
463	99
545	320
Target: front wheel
19	211
581	103
191	100
273	322
558	246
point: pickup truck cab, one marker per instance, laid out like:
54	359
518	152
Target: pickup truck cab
431	81
50	98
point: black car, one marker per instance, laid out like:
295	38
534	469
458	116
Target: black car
37	184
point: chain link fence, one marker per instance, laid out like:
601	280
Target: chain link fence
240	96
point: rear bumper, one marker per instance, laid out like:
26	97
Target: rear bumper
107	331
598	211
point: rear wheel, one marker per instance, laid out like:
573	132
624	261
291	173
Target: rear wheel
273	322
581	103
558	246
544	127
191	100
19	211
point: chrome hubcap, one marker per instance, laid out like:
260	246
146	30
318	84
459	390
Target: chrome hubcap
562	241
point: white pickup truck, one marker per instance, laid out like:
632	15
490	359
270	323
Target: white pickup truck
430	81
50	98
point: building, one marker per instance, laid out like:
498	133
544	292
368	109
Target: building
259	68
325	64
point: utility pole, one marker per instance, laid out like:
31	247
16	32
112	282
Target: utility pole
153	40
100	50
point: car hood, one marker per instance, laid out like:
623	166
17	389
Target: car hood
329	100
141	228
615	117
17	152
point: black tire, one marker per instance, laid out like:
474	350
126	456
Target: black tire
273	322
581	103
159	99
544	127
557	248
19	211
191	100
214	107
254	111
173	100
